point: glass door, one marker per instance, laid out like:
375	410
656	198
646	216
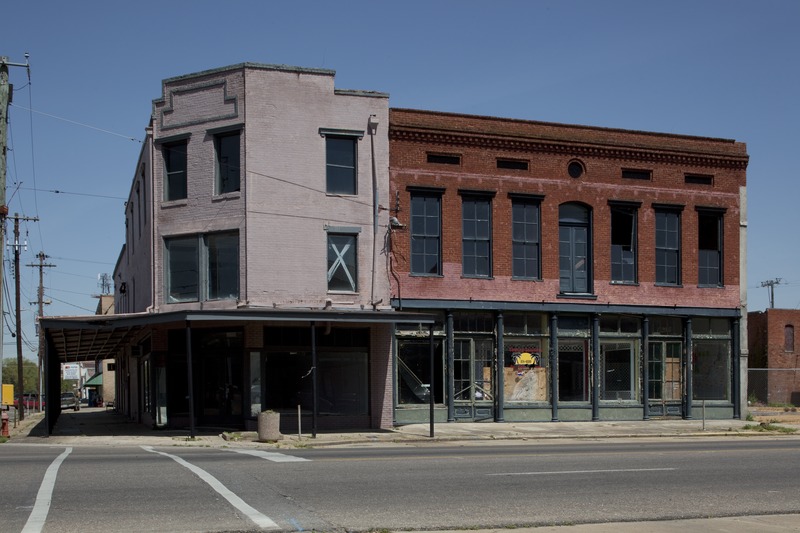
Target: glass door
473	378
665	378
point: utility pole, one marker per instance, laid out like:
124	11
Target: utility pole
17	246
41	257
771	284
6	94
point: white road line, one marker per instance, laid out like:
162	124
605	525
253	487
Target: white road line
44	497
559	472
262	521
271	456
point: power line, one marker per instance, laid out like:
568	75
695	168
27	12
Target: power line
57	191
134	139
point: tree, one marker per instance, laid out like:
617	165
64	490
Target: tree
30	375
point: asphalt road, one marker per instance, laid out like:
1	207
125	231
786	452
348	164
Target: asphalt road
179	489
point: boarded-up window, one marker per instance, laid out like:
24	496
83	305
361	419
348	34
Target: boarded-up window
788	338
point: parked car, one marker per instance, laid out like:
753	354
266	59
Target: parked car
29	400
70	401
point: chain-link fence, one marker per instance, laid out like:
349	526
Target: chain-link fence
773	386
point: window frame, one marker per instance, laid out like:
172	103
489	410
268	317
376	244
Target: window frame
629	209
667	249
332	135
482	234
565	222
717	219
202	275
220	176
424	236
523	241
335	263
176	182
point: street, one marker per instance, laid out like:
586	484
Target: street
144	488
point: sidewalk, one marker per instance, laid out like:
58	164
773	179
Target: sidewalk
100	427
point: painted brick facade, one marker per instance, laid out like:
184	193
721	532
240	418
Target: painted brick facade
577	176
480	141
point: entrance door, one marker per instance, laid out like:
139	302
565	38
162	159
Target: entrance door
665	378
472	376
221	393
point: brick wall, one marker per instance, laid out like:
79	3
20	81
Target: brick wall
480	141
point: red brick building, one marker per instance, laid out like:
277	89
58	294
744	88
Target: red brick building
592	260
774	375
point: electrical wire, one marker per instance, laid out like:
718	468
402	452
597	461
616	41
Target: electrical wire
78	123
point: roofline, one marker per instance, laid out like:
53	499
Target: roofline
563	125
254	66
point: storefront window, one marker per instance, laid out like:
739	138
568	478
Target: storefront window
710	370
525	374
617	371
414	371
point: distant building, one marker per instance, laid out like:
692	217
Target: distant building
774	376
604	266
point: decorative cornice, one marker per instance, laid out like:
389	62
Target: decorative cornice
574	149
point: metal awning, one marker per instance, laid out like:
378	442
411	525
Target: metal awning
95	337
95	381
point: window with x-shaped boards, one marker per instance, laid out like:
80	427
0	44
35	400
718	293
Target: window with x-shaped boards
342	262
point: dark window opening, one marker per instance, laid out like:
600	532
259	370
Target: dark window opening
709	240
175	170
634	174
788	338
444	159
623	245
575	169
512	164
228	162
698	179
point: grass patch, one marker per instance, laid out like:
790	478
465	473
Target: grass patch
232	437
770	426
3	440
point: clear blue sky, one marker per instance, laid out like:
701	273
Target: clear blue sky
727	69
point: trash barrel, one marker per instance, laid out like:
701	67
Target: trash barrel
269	426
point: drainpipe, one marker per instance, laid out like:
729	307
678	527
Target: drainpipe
373	128
554	366
645	355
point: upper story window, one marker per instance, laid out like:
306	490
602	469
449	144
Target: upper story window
668	245
574	245
342	262
476	235
340	161
637	174
202	267
709	247
426	233
525	237
512	164
623	242
175	170
444	159
788	338
228	171
698	179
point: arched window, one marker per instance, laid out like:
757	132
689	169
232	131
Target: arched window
575	248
